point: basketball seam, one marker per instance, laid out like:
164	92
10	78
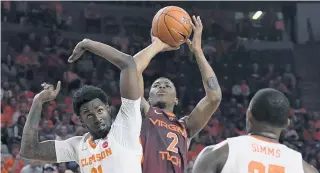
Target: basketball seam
177	11
164	19
178	22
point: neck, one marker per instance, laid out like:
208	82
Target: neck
266	132
168	109
99	136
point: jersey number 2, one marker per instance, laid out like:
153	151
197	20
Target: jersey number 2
172	147
97	169
257	167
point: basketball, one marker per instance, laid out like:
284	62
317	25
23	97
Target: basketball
172	25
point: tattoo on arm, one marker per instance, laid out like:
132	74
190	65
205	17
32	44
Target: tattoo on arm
213	83
31	148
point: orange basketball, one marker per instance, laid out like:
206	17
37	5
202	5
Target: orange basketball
172	25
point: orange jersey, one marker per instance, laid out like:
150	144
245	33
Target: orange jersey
253	154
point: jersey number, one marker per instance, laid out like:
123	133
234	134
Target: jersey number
257	167
172	146
97	170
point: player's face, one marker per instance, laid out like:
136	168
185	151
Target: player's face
95	116
162	93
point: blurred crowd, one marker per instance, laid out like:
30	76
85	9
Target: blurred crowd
30	58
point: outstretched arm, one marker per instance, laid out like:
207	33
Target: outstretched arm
201	114
129	87
143	59
46	151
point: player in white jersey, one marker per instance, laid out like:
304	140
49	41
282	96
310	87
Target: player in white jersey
108	147
260	151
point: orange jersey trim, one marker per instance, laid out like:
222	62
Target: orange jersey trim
170	114
91	143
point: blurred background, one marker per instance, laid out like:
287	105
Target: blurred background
250	45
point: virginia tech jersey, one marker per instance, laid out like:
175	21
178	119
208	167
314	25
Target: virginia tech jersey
119	152
253	154
164	140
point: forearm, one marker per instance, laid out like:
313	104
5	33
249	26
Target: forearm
211	85
144	57
30	139
119	59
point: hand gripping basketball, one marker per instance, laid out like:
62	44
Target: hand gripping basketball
162	45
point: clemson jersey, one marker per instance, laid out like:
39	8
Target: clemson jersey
119	152
253	154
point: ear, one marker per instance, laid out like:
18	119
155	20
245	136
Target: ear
249	116
288	123
108	108
176	101
83	125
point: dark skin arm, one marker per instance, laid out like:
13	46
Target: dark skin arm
143	59
308	168
31	148
202	113
129	86
211	161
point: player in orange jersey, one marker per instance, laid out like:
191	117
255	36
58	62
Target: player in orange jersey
110	146
260	151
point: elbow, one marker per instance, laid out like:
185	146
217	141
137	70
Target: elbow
128	62
25	155
214	97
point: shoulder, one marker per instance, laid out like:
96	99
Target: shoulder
129	104
212	158
144	107
132	101
73	141
308	168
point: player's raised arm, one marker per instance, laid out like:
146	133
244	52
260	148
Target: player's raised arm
48	151
143	59
201	114
129	87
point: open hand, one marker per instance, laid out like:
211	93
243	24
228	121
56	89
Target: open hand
77	51
48	93
195	44
162	46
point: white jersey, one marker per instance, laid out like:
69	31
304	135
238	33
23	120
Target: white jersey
252	154
119	152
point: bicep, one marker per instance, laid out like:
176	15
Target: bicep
129	85
144	107
53	151
66	150
200	115
127	125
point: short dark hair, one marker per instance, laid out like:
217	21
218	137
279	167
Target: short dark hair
164	79
85	94
271	107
